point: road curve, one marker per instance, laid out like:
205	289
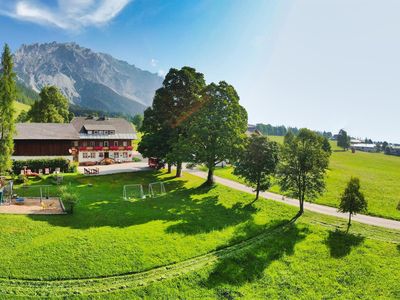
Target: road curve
326	210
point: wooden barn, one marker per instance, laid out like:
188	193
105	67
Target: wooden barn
87	140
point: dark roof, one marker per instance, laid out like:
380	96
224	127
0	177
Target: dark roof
121	126
98	127
252	129
45	131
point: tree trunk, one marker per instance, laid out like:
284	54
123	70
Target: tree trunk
169	170
178	169
349	224
210	176
258	188
301	211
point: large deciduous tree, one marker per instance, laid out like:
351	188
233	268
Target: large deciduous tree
217	130
52	107
352	200
166	122
303	164
8	94
258	162
343	140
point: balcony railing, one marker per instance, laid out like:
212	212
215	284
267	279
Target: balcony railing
101	148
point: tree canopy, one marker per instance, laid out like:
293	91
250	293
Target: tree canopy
343	140
258	162
8	94
303	164
166	121
352	199
52	107
218	129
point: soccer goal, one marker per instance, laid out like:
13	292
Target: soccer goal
156	189
133	191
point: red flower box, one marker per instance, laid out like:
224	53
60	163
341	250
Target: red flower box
98	148
82	148
129	148
114	148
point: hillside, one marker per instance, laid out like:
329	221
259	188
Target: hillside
88	79
379	176
19	107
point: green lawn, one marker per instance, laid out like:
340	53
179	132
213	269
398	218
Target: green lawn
19	107
109	236
379	175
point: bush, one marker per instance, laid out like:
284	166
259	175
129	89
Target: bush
36	164
73	167
69	198
136	159
22	179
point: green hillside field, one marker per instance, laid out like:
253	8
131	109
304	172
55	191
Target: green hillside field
379	175
192	243
19	107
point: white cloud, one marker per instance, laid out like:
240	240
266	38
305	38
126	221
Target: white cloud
66	14
161	73
154	62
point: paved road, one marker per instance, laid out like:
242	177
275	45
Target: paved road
119	168
331	211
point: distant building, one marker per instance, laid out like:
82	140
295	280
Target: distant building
252	129
86	140
364	147
393	150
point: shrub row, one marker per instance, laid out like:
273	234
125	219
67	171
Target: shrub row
36	164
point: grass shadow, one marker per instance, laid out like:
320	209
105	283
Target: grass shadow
191	210
341	243
250	263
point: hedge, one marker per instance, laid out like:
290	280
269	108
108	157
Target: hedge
36	164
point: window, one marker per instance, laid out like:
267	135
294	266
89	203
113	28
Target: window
125	143
116	154
92	144
125	155
116	143
92	154
84	155
75	143
90	132
84	144
101	154
96	132
101	131
106	144
100	144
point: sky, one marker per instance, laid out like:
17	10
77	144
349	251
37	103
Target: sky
320	64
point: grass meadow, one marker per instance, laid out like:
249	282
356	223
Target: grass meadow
379	176
75	255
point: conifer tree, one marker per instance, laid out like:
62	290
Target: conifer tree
8	94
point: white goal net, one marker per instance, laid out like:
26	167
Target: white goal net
133	191
156	189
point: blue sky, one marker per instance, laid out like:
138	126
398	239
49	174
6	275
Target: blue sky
309	63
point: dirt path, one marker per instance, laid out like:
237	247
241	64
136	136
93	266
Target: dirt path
326	210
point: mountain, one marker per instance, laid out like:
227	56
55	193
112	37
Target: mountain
88	79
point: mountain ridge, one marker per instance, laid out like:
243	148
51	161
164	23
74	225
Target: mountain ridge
89	79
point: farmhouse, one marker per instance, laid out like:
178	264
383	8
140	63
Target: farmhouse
86	140
364	147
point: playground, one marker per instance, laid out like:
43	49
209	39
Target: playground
33	206
28	200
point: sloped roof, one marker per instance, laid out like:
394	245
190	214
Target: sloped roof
121	126
98	127
45	131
